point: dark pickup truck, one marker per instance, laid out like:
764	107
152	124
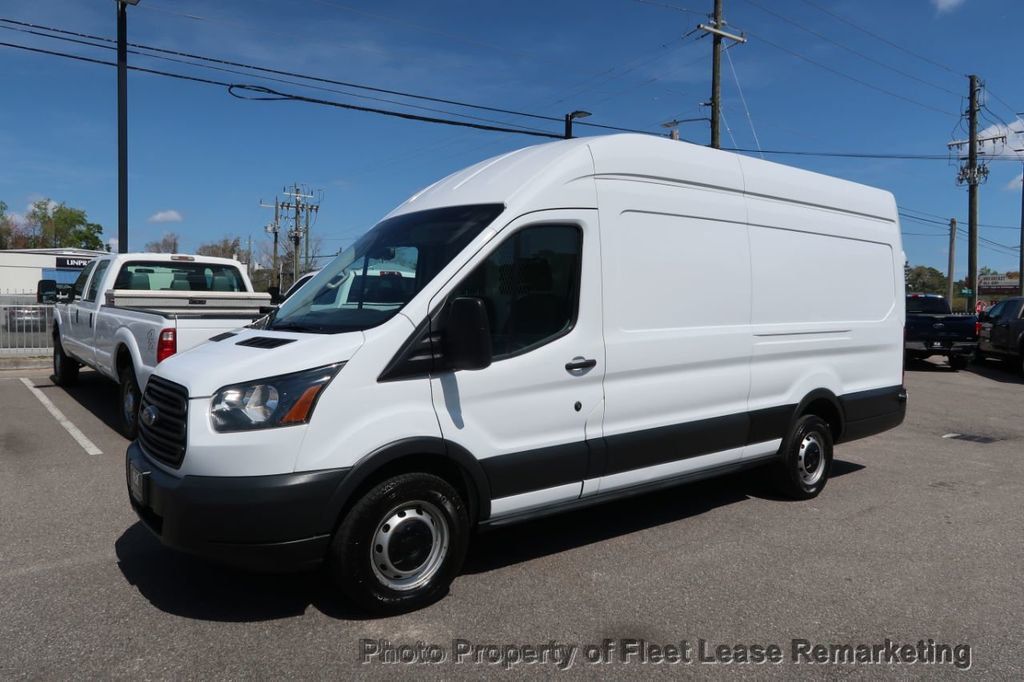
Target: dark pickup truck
932	329
1002	332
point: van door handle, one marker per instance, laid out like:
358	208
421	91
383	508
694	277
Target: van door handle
579	363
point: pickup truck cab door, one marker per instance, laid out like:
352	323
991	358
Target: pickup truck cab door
71	334
90	311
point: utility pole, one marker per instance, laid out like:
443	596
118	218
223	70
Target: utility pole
1020	265
302	207
717	35
972	194
274	228
952	260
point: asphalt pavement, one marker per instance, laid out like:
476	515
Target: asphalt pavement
917	538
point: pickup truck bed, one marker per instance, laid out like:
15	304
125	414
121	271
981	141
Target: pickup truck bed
129	312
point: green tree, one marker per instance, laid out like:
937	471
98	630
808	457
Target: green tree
52	225
922	279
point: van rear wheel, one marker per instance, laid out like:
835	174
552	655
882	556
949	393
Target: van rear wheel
401	545
805	459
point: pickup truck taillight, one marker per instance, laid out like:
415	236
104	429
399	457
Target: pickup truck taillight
167	345
977	329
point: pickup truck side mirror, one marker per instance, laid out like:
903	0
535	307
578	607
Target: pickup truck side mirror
467	334
46	291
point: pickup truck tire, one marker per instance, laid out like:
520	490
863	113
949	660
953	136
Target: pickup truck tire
131	396
65	370
958	362
805	458
401	545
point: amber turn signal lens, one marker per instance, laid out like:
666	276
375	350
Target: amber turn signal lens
299	413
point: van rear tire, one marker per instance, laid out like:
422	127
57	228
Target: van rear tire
805	458
401	545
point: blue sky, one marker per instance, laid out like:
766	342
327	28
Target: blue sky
201	160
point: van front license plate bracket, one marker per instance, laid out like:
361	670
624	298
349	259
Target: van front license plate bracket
138	483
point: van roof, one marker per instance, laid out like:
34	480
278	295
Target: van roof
551	176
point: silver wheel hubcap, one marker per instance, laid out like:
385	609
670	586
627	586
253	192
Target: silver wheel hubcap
810	460
410	545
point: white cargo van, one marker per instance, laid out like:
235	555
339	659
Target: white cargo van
562	325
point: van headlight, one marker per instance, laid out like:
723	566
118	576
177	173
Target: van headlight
283	400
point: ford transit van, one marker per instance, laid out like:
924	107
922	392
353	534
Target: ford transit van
555	327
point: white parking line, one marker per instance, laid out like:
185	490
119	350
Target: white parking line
79	437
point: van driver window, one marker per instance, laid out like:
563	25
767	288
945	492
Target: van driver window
530	286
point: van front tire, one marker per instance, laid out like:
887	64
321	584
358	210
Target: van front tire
401	545
805	459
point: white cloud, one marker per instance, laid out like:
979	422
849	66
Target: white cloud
1016	183
168	216
112	244
947	5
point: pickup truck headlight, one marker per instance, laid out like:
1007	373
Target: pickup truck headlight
284	400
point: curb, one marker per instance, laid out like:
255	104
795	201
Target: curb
24	362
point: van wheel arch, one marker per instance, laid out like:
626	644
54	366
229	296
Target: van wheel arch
122	359
432	455
823	403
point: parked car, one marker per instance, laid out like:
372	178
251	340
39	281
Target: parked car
26	318
932	329
129	312
1002	332
539	338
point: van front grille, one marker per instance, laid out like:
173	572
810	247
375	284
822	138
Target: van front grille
166	437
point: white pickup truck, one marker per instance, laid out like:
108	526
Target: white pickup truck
128	312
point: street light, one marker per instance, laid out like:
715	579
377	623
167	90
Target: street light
122	124
569	118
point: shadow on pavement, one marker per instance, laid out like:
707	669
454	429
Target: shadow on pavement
95	393
1003	371
193	588
190	587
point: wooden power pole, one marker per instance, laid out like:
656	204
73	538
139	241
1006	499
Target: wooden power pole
717	35
952	260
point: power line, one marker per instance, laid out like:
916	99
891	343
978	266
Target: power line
274	95
855	79
743	99
851	50
885	40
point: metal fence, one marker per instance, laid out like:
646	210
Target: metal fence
25	328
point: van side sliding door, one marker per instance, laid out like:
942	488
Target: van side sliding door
677	314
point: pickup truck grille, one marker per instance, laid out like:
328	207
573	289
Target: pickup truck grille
166	437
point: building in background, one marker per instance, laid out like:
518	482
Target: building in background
21	269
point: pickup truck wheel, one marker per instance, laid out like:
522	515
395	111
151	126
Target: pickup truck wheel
131	396
401	545
805	458
65	370
958	362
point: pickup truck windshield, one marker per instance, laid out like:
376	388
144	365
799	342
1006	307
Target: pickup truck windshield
927	305
373	279
178	276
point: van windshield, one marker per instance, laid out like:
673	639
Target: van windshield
372	280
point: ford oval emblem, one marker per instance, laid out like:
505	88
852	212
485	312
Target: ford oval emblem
938	325
150	415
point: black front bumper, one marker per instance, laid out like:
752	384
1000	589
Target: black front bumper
275	523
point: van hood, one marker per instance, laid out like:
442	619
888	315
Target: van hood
254	354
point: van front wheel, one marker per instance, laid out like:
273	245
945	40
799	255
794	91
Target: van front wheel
805	458
401	544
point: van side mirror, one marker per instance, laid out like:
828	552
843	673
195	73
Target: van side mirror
467	334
